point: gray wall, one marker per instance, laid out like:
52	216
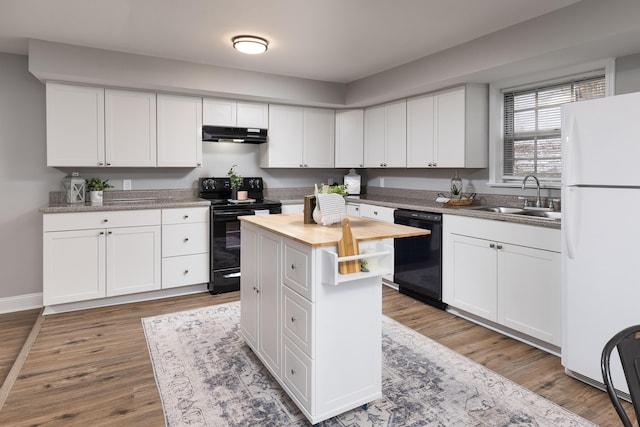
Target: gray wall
25	181
627	75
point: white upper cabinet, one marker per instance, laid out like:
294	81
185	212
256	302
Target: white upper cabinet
130	128
349	152
224	112
299	137
448	129
75	125
97	127
385	135
179	131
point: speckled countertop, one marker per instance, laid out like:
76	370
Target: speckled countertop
394	198
425	201
128	200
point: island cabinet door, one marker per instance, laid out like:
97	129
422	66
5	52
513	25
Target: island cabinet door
249	286
269	300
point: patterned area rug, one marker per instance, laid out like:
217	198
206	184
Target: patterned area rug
208	376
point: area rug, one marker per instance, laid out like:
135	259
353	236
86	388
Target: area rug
208	376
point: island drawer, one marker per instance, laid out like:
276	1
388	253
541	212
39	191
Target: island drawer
296	373
297	268
298	320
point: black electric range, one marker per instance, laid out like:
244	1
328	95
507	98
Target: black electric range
224	245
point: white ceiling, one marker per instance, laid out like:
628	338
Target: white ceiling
330	40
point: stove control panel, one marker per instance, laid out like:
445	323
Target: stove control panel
220	188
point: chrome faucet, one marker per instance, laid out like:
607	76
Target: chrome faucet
524	183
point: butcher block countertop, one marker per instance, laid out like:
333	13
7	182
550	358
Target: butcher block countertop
293	227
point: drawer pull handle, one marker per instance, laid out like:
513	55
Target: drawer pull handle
293	372
186	272
492	245
186	239
293	319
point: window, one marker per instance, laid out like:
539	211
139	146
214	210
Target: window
532	119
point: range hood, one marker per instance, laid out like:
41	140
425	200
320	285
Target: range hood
231	134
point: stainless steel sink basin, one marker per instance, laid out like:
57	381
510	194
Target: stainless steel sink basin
499	209
542	214
537	213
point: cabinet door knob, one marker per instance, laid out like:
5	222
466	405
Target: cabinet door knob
110	233
293	371
186	217
492	245
198	164
102	233
293	319
105	220
100	163
108	163
186	272
499	246
186	239
293	266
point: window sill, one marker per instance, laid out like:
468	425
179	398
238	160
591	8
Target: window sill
549	185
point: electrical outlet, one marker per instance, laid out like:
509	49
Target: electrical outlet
381	182
126	184
330	181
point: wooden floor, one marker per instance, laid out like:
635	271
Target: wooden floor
92	367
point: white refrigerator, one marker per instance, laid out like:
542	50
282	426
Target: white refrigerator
600	230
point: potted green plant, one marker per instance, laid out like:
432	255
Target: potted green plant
236	182
96	187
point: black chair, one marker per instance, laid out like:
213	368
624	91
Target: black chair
627	342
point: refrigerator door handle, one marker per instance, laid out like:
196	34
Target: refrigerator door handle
569	210
568	176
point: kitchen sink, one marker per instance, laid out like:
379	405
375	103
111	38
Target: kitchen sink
537	213
542	214
499	209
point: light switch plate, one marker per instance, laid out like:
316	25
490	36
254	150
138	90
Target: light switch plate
126	184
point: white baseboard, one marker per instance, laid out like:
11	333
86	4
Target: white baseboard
20	303
124	299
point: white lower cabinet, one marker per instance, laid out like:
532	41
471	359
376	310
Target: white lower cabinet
185	246
320	341
100	254
260	295
353	209
504	272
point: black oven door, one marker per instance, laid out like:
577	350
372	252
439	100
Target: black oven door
225	250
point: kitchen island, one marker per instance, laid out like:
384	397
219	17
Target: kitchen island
316	330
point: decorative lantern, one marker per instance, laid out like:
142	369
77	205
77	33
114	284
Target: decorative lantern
73	188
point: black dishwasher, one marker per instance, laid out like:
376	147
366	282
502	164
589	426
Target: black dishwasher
418	260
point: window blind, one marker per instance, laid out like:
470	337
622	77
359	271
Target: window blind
532	120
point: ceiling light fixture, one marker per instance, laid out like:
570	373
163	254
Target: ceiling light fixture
250	44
